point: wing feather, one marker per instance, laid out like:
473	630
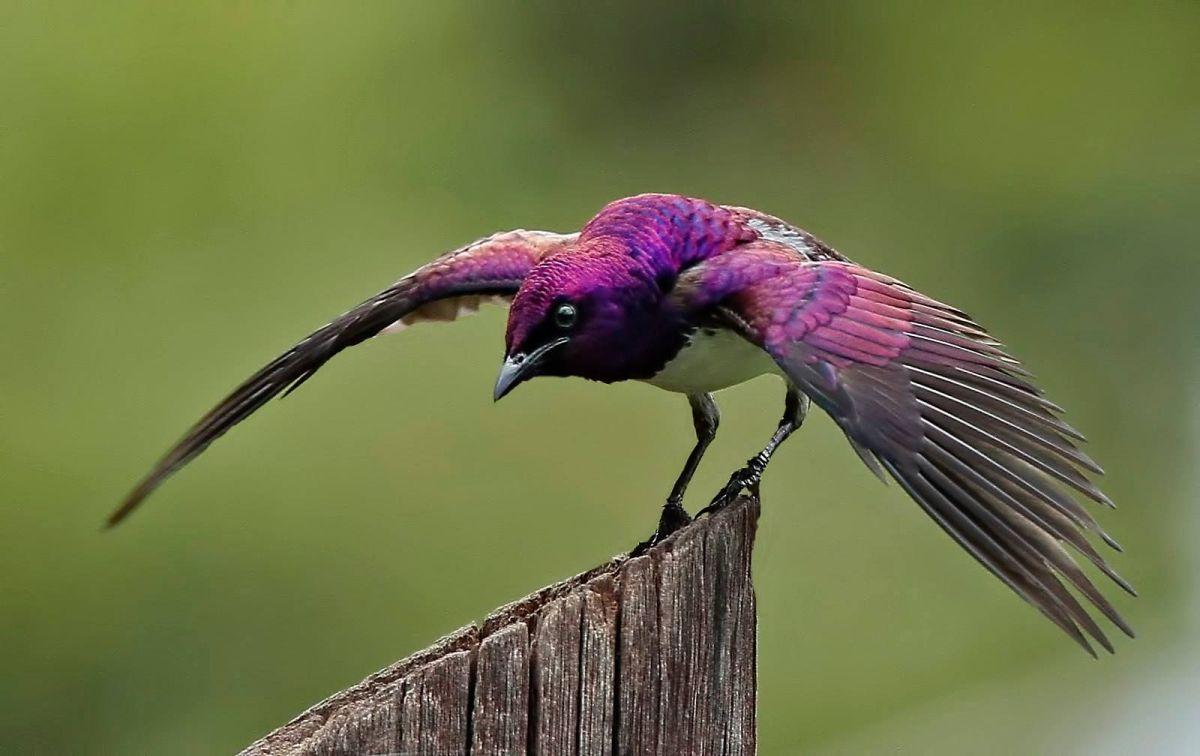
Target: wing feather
441	290
925	393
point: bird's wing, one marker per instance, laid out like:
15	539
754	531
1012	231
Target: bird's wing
923	392
451	285
772	229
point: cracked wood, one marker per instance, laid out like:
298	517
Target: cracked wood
651	655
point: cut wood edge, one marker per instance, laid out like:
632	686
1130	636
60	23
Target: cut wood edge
363	717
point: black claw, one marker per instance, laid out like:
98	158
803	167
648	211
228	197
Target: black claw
745	479
644	546
673	517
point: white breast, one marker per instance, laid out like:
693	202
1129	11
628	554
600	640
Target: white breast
713	360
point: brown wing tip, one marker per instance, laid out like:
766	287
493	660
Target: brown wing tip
120	513
130	503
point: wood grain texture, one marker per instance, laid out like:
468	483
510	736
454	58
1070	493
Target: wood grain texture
639	679
597	666
555	677
500	709
435	708
651	655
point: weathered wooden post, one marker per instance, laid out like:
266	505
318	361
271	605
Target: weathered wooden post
651	655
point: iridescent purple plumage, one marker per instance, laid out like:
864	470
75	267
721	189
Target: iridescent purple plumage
693	296
620	273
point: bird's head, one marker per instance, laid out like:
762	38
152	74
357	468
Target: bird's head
593	312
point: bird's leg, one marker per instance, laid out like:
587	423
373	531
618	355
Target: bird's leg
705	418
795	408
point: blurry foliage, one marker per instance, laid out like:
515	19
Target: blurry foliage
189	188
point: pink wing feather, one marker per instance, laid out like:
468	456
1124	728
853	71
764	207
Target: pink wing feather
452	284
923	392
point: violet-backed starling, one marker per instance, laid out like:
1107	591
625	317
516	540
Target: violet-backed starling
694	297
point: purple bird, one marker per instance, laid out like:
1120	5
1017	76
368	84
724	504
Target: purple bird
694	297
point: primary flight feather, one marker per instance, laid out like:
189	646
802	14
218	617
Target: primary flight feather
694	297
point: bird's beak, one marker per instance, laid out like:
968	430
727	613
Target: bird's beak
518	368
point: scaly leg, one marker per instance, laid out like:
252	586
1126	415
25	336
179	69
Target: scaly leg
705	417
795	408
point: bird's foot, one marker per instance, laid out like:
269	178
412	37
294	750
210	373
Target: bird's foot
745	479
673	518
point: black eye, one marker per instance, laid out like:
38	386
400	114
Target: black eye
565	316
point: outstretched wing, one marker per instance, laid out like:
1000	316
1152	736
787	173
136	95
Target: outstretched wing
923	392
451	285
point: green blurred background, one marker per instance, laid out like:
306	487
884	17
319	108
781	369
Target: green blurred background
188	190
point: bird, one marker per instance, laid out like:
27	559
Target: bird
693	297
